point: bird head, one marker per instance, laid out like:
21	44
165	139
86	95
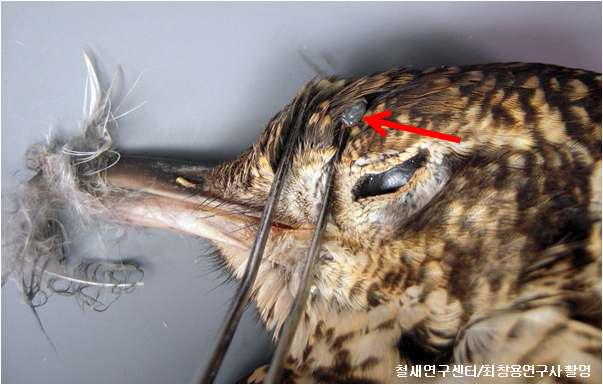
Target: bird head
405	209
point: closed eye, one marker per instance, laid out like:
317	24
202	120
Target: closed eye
388	181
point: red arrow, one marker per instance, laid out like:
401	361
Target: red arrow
377	122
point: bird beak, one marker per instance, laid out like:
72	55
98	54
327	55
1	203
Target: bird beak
169	194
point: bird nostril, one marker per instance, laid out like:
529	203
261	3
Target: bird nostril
185	182
157	176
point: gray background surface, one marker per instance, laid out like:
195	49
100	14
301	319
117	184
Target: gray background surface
213	75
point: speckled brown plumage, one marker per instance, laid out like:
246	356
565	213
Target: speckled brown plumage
507	239
490	253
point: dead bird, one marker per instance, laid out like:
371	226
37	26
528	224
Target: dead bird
486	251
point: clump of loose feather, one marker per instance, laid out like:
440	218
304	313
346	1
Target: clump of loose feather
68	181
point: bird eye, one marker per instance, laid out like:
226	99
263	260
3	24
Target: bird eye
388	181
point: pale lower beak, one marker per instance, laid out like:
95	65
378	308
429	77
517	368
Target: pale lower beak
169	194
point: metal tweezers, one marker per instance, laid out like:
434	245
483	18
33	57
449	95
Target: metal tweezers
242	296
